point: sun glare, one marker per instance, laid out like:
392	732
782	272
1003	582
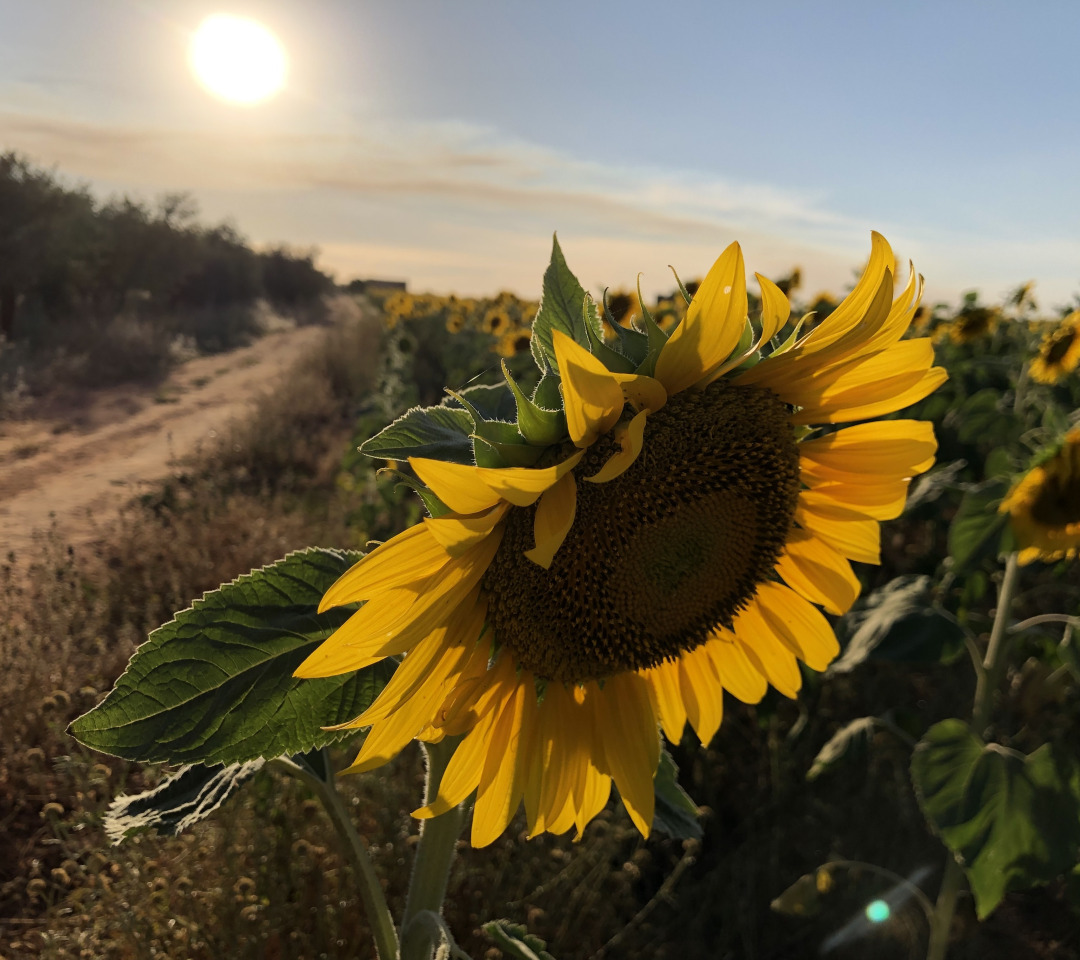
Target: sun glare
237	59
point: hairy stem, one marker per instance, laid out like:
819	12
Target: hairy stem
371	892
434	854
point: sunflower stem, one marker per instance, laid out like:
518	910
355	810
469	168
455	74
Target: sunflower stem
988	680
371	891
434	854
994	662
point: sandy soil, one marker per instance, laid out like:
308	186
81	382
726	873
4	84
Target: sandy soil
84	460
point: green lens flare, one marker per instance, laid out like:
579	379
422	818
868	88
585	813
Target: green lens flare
877	911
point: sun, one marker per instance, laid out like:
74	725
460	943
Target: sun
237	59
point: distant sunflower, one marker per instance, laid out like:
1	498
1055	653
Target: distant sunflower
972	324
1044	506
512	343
496	321
673	546
1059	352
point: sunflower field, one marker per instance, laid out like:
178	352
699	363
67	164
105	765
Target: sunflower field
723	625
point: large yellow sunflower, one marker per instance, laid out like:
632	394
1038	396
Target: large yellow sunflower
1044	506
672	545
1059	352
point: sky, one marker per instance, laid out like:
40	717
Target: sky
443	143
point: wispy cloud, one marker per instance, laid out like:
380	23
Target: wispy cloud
453	206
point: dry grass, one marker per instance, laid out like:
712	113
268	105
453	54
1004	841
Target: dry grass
263	878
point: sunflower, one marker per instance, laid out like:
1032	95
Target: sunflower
1044	505
972	323
673	541
1059	352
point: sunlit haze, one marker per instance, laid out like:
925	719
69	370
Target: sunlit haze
238	59
443	144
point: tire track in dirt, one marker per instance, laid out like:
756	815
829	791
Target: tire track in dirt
80	464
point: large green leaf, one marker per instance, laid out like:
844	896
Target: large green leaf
215	685
899	623
561	308
976	528
1012	820
441	433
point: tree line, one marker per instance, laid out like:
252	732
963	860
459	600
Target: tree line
66	257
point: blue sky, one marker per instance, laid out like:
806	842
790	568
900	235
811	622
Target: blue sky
444	142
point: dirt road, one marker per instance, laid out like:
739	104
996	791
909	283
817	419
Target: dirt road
81	464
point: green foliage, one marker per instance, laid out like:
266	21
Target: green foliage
977	527
899	622
215	685
515	940
562	308
442	433
675	813
1013	820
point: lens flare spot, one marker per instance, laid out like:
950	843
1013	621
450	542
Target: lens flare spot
877	911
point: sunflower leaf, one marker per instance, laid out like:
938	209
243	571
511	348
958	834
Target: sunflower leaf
676	814
188	796
538	426
977	524
215	685
515	940
547	393
560	309
611	359
898	623
493	400
439	433
1012	820
656	337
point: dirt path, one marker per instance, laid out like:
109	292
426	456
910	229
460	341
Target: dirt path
82	464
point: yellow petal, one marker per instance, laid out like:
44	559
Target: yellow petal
631	438
853	310
592	397
711	328
521	486
701	693
665	685
499	792
893	448
397	620
455	484
409	558
738	675
880	501
798	624
855	539
462	774
435	660
553	520
866	378
643	393
775	308
854	407
456	534
766	651
631	744
818	572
